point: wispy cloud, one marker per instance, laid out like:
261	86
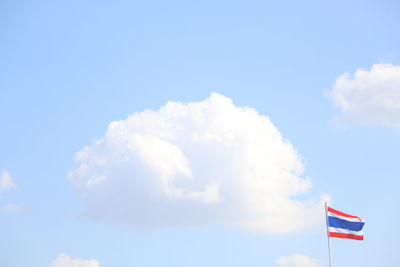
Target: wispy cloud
6	181
297	260
63	260
15	208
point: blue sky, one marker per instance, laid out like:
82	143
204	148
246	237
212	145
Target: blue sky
70	68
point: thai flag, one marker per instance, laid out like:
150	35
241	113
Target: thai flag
343	225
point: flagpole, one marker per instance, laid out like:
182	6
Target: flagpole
327	234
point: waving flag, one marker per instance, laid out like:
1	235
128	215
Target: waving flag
343	225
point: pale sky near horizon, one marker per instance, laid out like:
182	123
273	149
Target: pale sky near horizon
183	133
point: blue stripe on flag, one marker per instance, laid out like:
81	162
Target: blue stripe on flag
339	223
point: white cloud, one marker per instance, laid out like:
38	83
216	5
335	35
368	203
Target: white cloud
297	260
369	96
15	208
206	162
63	260
6	181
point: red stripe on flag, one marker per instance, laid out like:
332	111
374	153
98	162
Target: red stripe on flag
342	213
348	236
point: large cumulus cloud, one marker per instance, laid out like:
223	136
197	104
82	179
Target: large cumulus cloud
207	162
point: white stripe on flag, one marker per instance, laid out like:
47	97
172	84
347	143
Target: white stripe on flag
344	218
345	231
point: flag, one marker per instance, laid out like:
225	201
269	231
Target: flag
343	225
